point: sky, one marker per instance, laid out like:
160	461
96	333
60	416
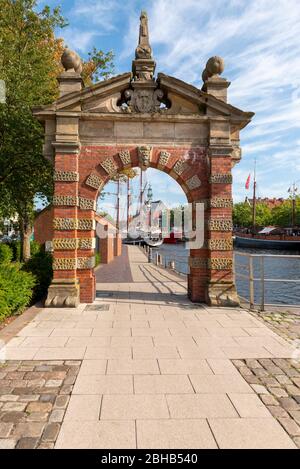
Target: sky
259	41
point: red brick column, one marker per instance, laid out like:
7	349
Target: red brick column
64	288
86	249
221	289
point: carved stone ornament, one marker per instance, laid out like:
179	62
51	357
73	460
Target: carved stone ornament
86	224
220	179
95	181
66	176
219	224
87	204
220	244
179	167
70	200
143	50
164	158
144	153
64	223
220	202
220	263
197	263
63	293
144	100
86	243
125	157
65	243
109	166
193	183
64	263
71	61
85	262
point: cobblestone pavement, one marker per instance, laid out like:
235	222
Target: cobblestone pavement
277	383
285	323
33	398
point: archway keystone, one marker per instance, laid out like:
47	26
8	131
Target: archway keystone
135	120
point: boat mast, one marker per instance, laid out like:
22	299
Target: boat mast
254	198
141	190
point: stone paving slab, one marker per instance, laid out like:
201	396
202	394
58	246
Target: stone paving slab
157	370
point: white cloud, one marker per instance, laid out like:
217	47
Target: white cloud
79	40
259	40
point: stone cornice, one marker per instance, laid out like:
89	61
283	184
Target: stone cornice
66	147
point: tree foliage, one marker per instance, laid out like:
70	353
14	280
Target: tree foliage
282	215
277	216
29	64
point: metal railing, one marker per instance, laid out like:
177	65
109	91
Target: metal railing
165	261
253	273
249	276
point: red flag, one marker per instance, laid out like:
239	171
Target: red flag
247	185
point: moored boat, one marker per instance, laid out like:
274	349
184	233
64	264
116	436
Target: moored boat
263	243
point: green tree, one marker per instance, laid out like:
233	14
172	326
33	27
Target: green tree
242	214
263	215
28	67
282	214
29	64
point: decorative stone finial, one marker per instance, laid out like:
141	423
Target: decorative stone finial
71	61
143	66
214	66
143	50
212	82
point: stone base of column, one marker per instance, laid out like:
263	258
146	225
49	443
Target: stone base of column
222	294
63	293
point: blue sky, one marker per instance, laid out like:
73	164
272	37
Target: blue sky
259	41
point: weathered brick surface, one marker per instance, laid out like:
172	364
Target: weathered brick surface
31	415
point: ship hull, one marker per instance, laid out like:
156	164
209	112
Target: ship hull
266	243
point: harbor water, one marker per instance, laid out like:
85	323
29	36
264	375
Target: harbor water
281	292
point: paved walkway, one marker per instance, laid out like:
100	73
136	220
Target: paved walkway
156	370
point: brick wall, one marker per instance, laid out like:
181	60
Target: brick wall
43	225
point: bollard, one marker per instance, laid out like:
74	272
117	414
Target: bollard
172	265
149	254
157	259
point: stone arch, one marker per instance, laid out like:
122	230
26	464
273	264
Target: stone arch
203	179
96	168
92	132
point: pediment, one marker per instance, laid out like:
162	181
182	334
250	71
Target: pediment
182	98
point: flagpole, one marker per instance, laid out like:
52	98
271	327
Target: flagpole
254	198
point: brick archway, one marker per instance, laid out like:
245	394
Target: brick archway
92	132
76	191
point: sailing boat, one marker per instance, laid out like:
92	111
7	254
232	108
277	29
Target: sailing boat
140	228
